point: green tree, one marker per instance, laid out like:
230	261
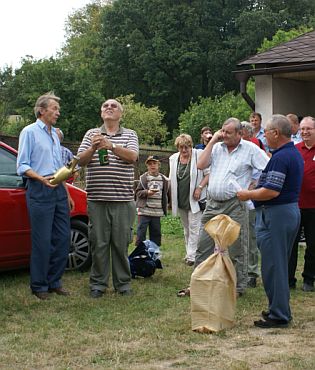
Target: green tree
281	37
213	112
168	53
147	122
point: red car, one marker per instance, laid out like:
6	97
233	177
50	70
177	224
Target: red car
15	239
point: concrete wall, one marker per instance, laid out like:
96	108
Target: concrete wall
282	95
264	97
291	96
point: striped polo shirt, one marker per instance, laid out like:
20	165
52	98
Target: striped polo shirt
112	182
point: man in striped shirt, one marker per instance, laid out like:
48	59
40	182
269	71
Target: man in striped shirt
110	197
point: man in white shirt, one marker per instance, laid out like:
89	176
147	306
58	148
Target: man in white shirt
231	159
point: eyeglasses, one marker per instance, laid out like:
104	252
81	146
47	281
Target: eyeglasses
112	105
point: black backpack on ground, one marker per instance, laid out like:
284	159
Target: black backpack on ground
143	262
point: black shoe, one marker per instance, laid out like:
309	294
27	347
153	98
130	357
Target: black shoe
95	293
308	287
265	315
252	282
271	323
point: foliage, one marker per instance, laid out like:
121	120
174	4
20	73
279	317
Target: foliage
147	122
281	37
213	112
171	53
167	54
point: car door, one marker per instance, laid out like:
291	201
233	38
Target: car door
15	241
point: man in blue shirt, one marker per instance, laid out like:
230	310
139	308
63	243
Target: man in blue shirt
277	218
255	120
39	157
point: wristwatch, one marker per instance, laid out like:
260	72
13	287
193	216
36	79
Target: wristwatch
200	187
113	146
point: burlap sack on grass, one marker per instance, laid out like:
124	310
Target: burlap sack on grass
213	282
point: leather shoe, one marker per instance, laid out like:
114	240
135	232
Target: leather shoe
41	295
95	293
265	315
59	291
271	323
308	287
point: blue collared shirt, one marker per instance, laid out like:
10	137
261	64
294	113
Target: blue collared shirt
38	150
296	138
261	136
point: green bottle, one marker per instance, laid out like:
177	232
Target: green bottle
103	156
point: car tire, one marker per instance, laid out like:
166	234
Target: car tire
80	253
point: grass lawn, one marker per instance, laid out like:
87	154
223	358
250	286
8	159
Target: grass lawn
149	330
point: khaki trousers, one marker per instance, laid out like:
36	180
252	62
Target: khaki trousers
110	232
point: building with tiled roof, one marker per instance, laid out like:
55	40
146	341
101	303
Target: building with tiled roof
284	78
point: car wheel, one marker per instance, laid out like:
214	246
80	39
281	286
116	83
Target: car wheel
80	254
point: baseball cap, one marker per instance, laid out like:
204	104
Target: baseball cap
153	158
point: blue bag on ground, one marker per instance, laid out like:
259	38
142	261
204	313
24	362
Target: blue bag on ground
145	259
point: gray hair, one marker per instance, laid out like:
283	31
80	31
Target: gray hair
43	101
280	122
309	118
235	121
248	127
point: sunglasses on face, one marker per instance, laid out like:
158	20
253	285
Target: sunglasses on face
111	105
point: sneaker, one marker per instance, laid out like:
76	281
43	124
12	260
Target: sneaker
308	287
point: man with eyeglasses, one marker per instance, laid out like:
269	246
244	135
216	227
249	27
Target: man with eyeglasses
277	219
111	206
230	159
307	208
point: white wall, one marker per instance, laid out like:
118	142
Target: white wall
283	96
264	97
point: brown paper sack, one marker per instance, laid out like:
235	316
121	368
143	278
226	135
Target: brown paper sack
213	282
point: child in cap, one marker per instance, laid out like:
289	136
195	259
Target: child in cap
151	201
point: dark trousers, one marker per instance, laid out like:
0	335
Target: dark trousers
154	225
308	223
276	229
50	232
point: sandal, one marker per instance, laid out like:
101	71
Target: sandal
184	292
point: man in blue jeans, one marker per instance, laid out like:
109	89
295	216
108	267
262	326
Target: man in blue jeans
48	205
277	219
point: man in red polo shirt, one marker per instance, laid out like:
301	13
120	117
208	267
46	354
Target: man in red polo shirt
307	208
